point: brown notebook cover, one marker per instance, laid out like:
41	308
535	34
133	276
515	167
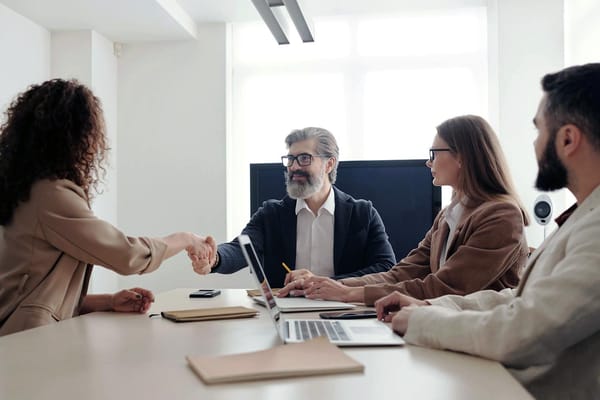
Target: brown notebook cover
258	293
314	357
208	314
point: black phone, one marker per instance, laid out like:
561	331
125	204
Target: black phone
205	293
349	314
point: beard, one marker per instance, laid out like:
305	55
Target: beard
303	190
552	174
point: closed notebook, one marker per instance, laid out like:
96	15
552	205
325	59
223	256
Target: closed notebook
258	293
207	314
313	357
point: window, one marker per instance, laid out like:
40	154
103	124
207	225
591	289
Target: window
380	84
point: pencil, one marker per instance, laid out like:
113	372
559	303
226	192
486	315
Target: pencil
286	267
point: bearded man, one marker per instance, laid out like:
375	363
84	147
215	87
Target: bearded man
547	331
315	229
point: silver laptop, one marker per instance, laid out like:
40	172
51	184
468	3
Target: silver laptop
302	304
340	332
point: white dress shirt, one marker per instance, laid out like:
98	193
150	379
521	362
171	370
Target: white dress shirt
314	237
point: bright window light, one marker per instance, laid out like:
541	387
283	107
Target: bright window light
254	44
380	84
423	35
402	108
270	106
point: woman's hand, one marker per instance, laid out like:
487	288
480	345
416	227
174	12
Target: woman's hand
203	254
132	300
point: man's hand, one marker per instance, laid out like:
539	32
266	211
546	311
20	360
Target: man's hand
400	320
293	289
203	254
297	275
319	287
391	304
132	300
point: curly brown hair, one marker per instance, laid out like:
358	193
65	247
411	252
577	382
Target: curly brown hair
54	130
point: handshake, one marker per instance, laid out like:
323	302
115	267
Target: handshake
203	254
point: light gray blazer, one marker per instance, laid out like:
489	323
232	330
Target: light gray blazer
547	331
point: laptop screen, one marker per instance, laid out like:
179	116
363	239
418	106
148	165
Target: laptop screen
257	270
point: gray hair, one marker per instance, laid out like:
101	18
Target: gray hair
326	144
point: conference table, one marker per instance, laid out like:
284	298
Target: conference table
133	356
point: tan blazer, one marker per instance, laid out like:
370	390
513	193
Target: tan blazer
488	251
47	253
548	330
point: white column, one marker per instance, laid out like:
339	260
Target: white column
88	57
525	43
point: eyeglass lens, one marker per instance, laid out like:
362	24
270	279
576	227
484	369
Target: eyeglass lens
303	160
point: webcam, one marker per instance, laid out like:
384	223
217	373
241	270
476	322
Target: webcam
542	209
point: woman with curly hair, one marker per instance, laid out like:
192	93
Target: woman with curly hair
52	149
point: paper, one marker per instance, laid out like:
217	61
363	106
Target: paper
208	314
313	357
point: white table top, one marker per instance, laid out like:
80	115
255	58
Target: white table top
131	356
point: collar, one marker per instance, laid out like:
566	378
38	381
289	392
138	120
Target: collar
576	210
455	209
329	204
562	218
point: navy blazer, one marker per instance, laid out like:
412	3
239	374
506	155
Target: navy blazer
360	243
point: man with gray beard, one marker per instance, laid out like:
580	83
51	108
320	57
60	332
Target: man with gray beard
315	229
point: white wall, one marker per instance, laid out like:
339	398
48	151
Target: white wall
88	57
104	84
526	42
582	31
172	121
24	55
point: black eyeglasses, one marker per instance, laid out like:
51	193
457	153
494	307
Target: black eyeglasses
303	159
433	150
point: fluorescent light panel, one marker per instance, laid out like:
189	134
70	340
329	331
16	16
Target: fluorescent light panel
264	10
298	19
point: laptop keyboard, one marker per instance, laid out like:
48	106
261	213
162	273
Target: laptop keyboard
310	329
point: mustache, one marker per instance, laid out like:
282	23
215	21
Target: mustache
299	173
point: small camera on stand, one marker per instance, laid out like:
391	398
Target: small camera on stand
542	210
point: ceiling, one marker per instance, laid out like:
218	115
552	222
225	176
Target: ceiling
150	20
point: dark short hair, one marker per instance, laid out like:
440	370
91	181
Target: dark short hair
326	144
54	130
573	97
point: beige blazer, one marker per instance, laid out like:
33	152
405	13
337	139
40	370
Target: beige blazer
488	251
548	331
47	253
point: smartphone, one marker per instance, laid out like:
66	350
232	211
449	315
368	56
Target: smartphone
205	293
349	314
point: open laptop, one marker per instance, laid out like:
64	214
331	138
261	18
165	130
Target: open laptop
295	304
340	332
